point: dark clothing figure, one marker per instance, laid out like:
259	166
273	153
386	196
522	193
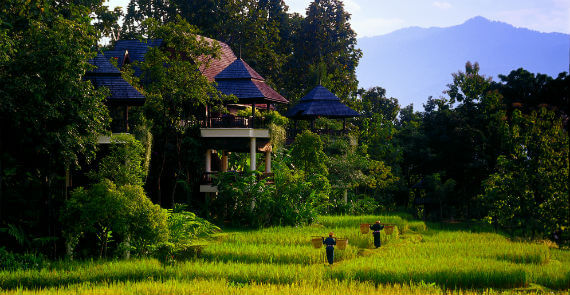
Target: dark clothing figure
330	242
376	227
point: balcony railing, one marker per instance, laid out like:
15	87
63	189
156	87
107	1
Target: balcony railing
230	121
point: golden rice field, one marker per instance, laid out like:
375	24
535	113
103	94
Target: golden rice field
281	260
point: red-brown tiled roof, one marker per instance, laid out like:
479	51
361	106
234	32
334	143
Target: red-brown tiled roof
269	93
216	65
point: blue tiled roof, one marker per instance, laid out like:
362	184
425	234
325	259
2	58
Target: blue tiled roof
320	102
246	84
120	55
242	89
102	66
137	49
238	70
121	91
106	75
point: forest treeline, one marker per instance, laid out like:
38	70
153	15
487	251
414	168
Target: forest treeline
494	150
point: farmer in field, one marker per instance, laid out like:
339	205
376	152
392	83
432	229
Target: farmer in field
376	227
330	242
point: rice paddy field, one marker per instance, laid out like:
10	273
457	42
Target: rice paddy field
415	259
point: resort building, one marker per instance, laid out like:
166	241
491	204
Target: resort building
222	133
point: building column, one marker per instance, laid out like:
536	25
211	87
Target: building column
252	151
268	161
208	160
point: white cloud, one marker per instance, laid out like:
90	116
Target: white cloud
351	6
299	6
376	26
537	19
441	5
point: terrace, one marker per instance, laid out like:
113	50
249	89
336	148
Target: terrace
230	133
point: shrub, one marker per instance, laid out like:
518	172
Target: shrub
125	163
246	201
185	230
107	211
15	261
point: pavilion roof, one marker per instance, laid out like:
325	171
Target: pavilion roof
137	49
106	75
320	102
246	84
211	66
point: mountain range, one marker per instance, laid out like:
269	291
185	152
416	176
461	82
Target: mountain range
415	63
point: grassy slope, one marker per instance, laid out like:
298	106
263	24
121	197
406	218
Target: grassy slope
281	260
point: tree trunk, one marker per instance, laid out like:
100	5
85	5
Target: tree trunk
127	242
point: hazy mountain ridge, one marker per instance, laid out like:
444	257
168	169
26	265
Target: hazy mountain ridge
414	63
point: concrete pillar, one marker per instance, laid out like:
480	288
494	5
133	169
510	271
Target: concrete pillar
208	160
268	161
252	151
224	161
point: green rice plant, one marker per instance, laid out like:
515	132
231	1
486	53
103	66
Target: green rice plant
458	273
366	240
281	260
489	245
459	259
560	255
416	226
279	235
271	253
140	270
555	275
221	286
356	221
290	236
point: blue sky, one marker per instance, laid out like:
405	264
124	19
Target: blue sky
378	17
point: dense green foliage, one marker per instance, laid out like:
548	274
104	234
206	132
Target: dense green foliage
528	191
247	200
482	151
122	214
186	230
307	154
49	116
124	164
